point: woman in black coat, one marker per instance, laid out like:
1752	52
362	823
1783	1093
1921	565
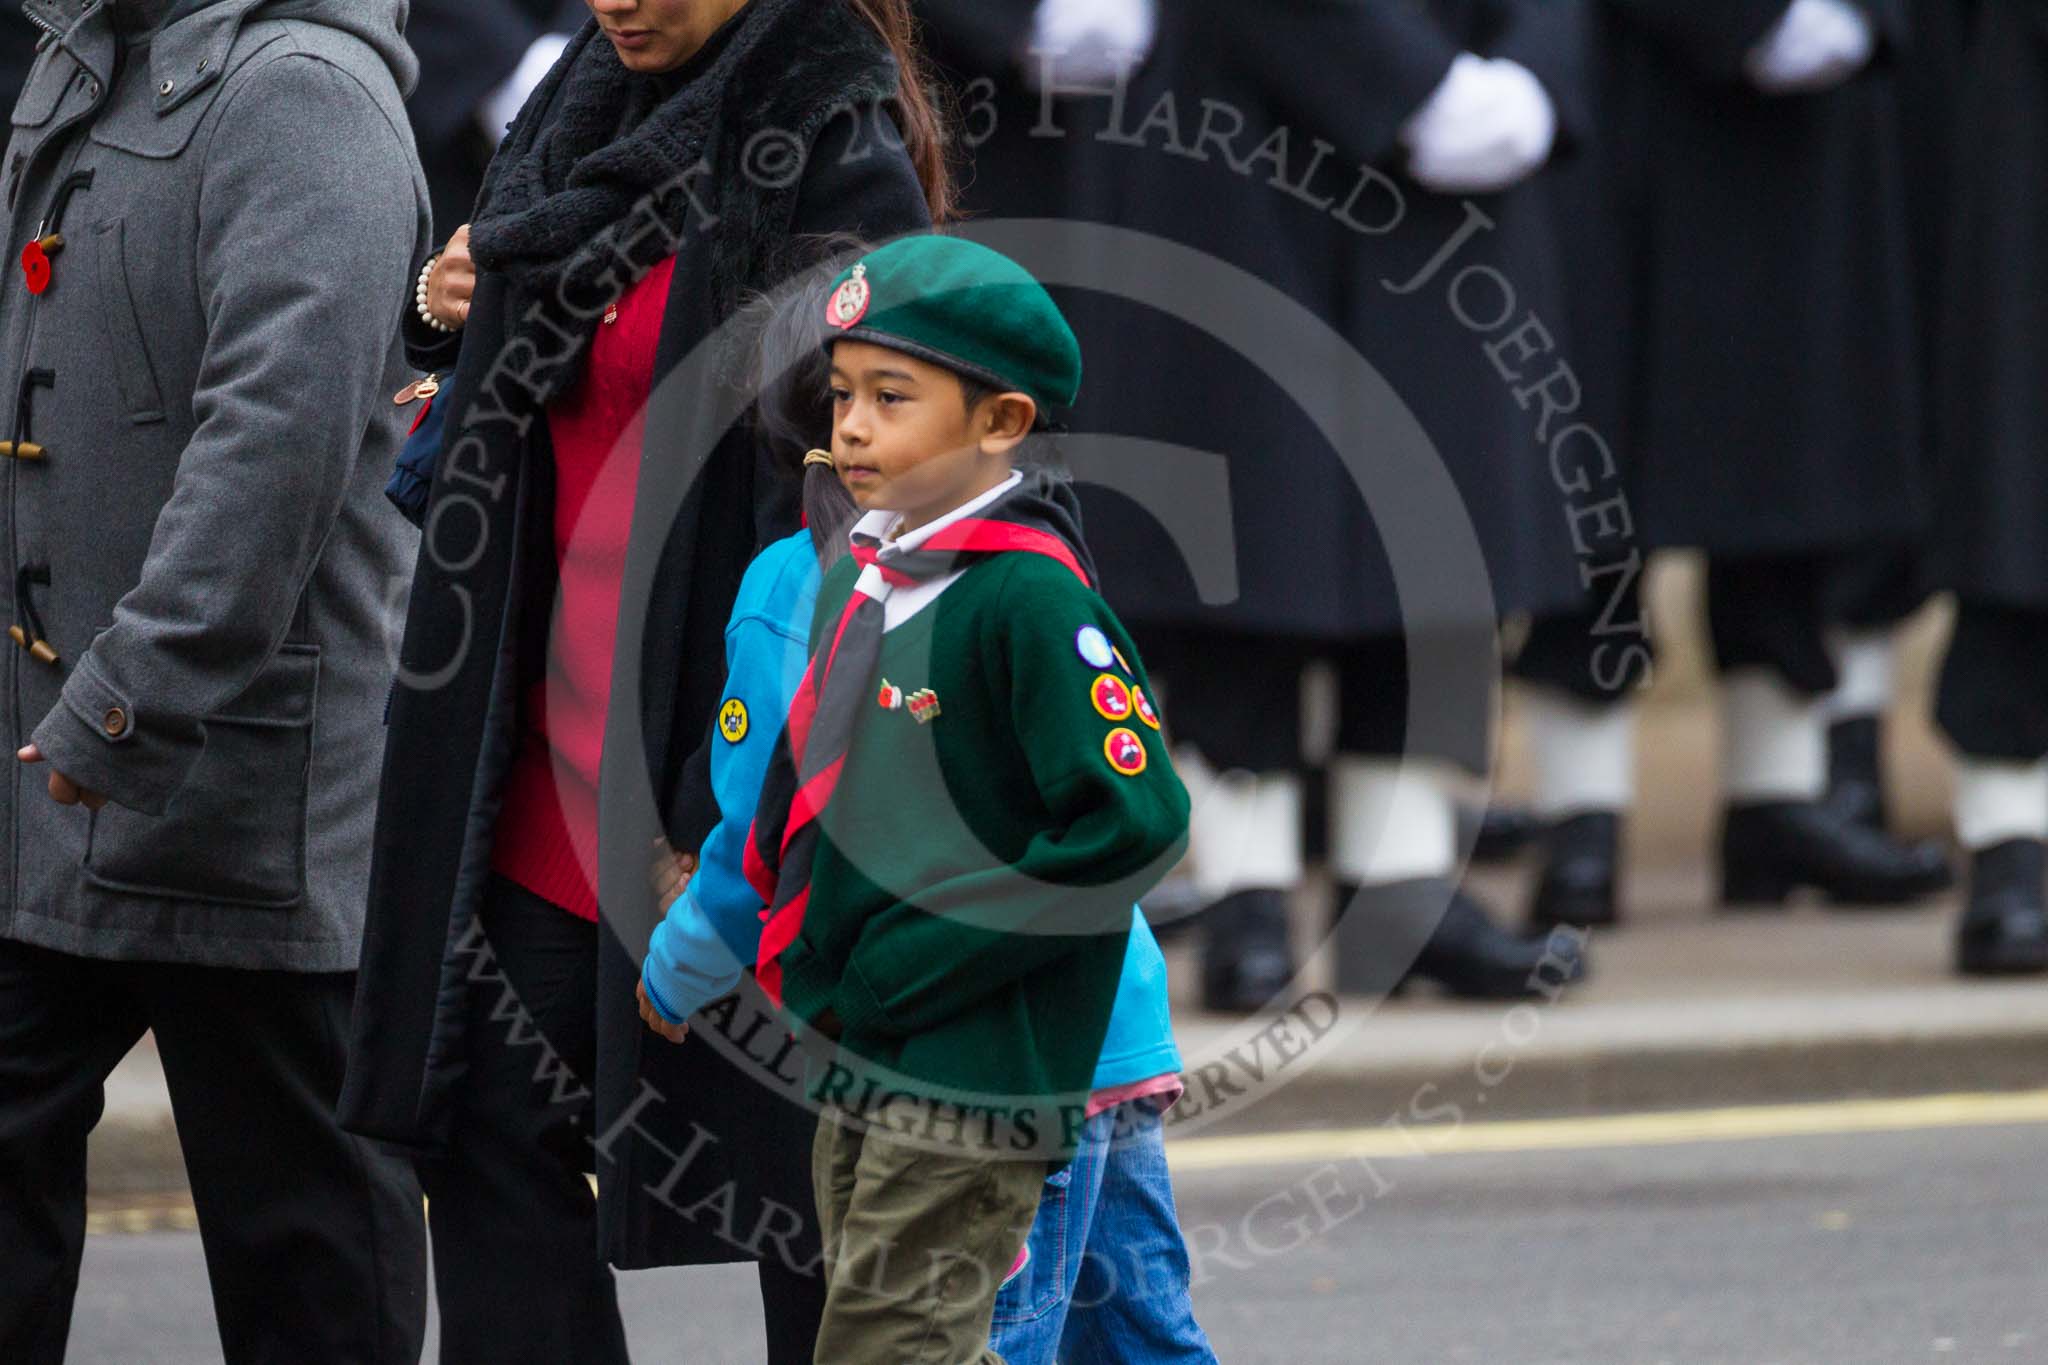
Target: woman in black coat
678	159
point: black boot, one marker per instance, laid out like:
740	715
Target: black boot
1388	936
1246	960
1577	887
1499	833
2004	929
1856	772
1771	849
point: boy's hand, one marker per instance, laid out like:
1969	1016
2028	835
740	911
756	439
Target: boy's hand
675	1033
672	873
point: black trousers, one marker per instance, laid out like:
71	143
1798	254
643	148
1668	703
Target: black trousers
514	1221
314	1241
1993	697
1237	696
1876	589
1761	613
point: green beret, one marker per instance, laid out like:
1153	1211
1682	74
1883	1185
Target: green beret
958	304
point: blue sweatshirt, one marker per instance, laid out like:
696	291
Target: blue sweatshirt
713	930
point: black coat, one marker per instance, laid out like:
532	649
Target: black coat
1992	543
475	635
1287	514
1779	398
18	38
468	48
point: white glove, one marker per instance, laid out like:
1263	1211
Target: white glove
1488	125
1816	45
502	105
1093	42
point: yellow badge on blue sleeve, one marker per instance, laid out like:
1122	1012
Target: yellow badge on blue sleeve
732	720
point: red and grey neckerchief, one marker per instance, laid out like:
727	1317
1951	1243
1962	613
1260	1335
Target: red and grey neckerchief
1037	517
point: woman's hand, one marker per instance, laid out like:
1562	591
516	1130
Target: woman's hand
671	874
675	1033
453	283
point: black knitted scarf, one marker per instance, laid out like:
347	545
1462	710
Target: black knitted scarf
598	148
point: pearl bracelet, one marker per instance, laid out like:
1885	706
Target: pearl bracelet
419	295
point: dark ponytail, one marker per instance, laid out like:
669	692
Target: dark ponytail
921	114
793	378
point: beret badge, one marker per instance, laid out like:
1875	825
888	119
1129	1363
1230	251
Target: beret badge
849	302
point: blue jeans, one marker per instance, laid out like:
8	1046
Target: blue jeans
1107	1280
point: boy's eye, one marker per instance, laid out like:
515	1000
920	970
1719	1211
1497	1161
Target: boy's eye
839	395
888	397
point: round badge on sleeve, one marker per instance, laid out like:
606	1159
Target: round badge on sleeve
1094	648
1143	705
732	720
1125	751
1112	697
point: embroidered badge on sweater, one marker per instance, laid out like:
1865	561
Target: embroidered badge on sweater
1094	647
1125	751
1112	697
1143	705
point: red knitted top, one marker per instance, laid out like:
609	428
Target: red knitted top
547	832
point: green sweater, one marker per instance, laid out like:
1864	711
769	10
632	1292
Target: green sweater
971	895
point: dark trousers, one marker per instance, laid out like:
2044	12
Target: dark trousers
1761	613
313	1238
514	1222
1237	696
1876	589
1993	699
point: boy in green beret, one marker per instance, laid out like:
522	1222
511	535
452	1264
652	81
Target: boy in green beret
970	793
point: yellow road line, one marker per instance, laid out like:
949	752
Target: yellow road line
1619	1130
1386	1142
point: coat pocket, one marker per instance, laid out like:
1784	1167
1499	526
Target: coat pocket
236	832
140	396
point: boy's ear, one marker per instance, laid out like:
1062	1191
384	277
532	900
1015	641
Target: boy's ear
1010	418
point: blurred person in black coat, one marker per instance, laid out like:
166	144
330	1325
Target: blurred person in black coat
17	51
1873	594
1375	122
1991	545
1764	273
479	59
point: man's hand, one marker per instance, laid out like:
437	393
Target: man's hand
1092	41
1489	125
453	283
1816	45
675	1033
672	873
63	790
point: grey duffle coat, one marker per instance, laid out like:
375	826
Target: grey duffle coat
199	419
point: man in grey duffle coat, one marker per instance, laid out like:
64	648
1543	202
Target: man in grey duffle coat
215	211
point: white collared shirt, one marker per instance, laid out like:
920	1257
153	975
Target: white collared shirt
900	604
